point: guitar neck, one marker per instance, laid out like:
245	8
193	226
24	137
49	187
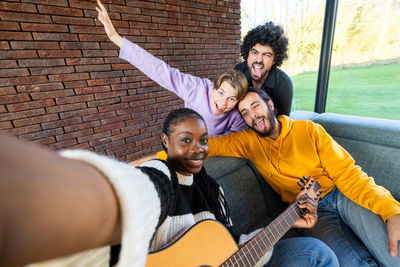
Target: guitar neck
255	249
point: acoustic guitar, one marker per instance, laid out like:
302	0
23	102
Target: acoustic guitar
209	243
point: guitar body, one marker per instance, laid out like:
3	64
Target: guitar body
207	243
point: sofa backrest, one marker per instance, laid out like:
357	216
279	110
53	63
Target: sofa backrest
374	143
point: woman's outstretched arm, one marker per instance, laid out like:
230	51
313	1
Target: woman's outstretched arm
51	206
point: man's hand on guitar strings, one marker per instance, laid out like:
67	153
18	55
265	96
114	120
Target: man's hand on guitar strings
310	217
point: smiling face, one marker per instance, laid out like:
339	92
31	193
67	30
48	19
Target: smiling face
259	116
223	99
259	62
187	145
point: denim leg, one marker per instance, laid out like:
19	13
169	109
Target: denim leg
302	251
369	227
331	229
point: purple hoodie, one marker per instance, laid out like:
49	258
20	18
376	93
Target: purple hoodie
195	91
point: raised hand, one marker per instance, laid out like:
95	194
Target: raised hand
108	26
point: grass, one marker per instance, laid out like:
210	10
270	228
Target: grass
372	91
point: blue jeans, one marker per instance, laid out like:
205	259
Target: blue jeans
302	251
356	235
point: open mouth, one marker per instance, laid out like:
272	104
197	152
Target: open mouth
195	162
257	70
259	124
220	109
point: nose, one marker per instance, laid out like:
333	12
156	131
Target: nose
197	148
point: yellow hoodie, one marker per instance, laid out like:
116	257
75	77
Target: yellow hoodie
305	148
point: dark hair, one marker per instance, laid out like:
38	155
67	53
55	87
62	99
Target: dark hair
267	34
176	117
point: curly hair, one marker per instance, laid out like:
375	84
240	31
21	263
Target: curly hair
268	34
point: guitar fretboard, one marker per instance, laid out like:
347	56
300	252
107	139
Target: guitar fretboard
252	252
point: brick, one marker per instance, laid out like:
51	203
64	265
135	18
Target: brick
155	13
74	99
9	26
100	53
15	16
13	72
64	108
55	36
80	45
88	68
124	9
94	89
51	94
7	6
5	125
68	77
35	120
72	20
86	29
40	87
75	113
22	80
53	10
60	123
34	45
103	81
6	35
104	102
106	74
93	136
16	98
84	61
18	54
25	130
75	84
113	107
81	126
42	134
139	18
110	94
83	4
59	53
45	141
41	62
7	90
53	70
30	105
48	2
4	45
72	135
44	27
170	27
99	116
22	114
64	144
93	38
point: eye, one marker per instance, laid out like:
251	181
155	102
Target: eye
204	141
220	93
186	140
232	99
253	52
244	114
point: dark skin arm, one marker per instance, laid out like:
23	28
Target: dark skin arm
46	198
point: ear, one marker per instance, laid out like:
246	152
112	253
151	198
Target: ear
271	105
165	140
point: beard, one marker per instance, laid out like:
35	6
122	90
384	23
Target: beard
272	124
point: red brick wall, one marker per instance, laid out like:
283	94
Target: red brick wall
62	84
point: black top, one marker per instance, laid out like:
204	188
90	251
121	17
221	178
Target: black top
277	85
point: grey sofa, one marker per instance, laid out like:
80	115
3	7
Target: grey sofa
374	144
